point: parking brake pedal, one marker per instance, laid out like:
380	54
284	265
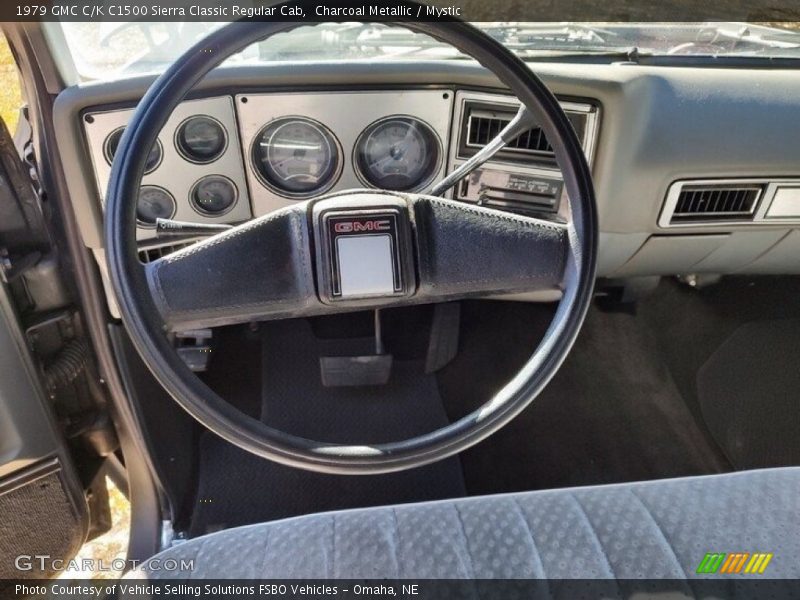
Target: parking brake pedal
350	371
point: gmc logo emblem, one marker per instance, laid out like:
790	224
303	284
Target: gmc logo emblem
352	226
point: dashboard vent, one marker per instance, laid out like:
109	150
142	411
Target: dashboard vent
148	255
698	203
483	126
481	121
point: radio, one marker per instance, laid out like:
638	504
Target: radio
514	192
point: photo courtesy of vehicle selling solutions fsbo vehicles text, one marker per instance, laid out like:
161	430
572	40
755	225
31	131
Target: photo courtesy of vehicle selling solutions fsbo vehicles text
399	299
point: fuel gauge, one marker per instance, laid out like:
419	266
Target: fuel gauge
154	203
213	195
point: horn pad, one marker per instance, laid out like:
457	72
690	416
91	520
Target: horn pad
363	248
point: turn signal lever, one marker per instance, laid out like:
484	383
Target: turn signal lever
166	228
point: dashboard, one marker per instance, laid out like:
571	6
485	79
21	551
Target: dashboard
696	170
229	158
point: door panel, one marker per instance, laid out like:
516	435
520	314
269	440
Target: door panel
43	509
26	434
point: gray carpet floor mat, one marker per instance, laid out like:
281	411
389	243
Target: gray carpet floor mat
749	392
612	413
294	400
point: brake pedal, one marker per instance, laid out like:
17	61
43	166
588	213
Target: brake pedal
351	371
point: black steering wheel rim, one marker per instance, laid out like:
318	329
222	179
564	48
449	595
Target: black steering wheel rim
143	322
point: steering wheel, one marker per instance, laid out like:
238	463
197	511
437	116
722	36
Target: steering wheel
286	264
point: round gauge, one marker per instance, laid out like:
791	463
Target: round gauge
296	157
154	203
201	139
398	153
112	143
213	195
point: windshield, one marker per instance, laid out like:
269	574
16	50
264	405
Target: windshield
111	50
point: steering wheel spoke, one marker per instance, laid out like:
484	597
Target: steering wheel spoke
260	269
436	250
467	251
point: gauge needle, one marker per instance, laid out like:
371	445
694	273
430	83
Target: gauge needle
397	151
385	159
293	146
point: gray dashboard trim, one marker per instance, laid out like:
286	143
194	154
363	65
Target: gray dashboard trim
659	125
269	77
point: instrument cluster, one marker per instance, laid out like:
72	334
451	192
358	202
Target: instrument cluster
302	145
298	158
226	159
194	171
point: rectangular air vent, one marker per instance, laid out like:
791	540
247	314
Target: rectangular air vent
704	203
729	202
148	255
482	121
483	126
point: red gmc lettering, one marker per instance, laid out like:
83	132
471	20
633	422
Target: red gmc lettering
350	226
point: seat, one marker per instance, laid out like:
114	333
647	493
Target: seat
652	530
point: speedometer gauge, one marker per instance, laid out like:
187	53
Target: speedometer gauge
398	153
296	157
